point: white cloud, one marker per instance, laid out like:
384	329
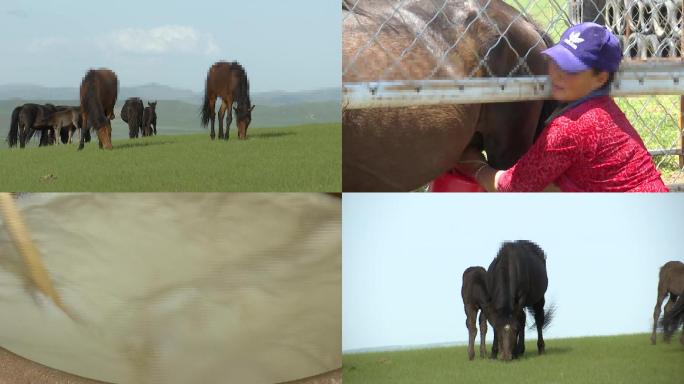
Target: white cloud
164	39
47	44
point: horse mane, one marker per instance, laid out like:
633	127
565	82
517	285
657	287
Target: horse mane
242	96
500	293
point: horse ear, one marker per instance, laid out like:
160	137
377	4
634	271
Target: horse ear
252	108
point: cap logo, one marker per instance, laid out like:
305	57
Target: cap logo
573	39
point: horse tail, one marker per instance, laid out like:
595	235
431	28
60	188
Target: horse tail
13	135
93	105
673	319
205	112
549	314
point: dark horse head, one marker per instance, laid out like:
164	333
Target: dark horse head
516	280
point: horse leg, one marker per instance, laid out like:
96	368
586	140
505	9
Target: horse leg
84	117
539	321
229	119
471	317
212	115
483	334
662	293
222	112
495	345
519	348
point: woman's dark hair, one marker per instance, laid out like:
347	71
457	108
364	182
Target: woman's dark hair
611	77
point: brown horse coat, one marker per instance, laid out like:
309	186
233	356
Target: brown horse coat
401	149
99	90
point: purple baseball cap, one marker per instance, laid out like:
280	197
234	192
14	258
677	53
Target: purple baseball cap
585	46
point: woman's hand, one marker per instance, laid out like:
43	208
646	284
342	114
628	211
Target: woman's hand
471	160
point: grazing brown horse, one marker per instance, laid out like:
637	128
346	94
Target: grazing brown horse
229	82
150	119
671	282
132	113
475	298
99	90
402	149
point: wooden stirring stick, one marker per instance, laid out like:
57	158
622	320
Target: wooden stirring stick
22	240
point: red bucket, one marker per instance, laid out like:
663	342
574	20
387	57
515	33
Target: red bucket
454	181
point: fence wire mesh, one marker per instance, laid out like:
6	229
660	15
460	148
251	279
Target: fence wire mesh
419	42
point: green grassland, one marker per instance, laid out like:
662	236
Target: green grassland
297	158
614	359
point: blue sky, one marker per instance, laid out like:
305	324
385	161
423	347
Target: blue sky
404	255
284	45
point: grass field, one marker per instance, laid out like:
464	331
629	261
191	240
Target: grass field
299	158
614	359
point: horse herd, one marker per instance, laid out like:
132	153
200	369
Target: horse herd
98	93
516	280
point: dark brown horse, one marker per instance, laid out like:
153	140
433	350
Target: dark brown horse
26	119
229	82
132	113
671	282
99	90
150	119
475	299
401	149
516	280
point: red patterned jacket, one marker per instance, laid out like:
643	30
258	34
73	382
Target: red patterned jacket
590	147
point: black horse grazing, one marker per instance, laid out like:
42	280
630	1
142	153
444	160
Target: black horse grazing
475	298
150	119
671	282
26	119
99	90
132	113
229	82
516	280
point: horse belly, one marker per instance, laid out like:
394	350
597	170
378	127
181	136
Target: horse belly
403	149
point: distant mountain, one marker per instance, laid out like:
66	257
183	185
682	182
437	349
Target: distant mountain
155	91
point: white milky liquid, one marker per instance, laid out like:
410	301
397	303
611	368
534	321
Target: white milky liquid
179	288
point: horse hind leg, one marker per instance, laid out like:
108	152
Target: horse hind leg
212	116
539	320
222	112
471	317
662	294
483	334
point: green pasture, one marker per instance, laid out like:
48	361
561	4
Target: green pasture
614	359
297	158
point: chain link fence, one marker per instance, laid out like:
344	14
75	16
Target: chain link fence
448	58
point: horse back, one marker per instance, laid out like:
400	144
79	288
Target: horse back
517	273
474	287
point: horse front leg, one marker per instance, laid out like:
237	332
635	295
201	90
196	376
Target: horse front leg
519	348
483	334
229	119
471	317
495	345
